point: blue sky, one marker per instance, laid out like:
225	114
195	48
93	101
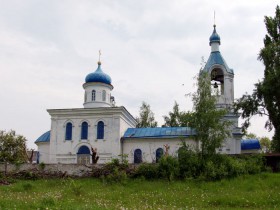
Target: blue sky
149	48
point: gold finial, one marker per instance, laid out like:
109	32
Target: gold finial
99	62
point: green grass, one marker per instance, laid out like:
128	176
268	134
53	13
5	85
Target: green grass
260	191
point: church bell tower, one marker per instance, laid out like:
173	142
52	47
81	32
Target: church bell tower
222	77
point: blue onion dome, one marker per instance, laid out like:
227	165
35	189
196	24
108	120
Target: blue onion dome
98	76
214	37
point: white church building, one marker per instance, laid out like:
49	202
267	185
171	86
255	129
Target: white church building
111	129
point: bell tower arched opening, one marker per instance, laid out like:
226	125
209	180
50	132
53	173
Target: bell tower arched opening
217	81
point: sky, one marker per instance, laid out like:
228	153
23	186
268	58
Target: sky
152	49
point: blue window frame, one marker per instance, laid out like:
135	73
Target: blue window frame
159	153
100	130
138	156
93	95
84	131
68	132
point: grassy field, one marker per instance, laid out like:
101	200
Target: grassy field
260	191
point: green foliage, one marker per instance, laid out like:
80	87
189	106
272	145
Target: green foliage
12	147
146	118
168	167
117	176
254	164
42	166
148	171
124	159
75	188
211	128
27	186
29	175
193	164
176	118
189	162
265	97
265	144
114	171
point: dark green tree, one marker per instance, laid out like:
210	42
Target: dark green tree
146	118
176	118
211	128
265	99
173	120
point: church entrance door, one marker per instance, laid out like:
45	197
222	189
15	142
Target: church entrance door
83	155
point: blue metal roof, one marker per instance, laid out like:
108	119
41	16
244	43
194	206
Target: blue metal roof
159	132
250	144
214	37
98	76
44	137
216	58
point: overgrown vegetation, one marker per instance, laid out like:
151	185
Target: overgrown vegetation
116	171
259	191
192	164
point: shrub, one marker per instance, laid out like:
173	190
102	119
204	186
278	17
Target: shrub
42	166
189	162
114	171
116	177
116	163
235	167
221	166
254	163
168	167
29	175
149	171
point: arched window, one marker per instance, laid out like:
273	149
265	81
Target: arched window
159	153
217	81
85	97
93	95
100	130
84	130
68	131
103	95
138	156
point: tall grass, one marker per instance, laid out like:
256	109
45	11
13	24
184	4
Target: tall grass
260	191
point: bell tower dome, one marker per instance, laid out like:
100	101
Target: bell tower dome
98	87
222	77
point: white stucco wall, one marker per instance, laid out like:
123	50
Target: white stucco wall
149	146
44	151
98	87
116	121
